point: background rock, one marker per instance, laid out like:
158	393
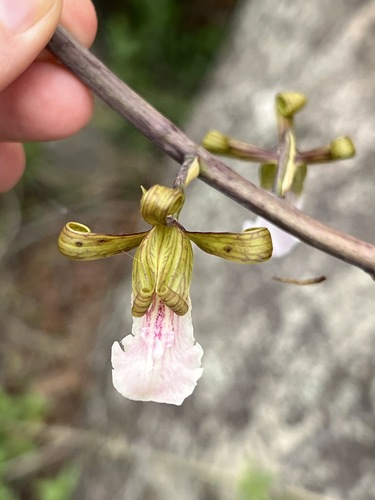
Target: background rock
289	372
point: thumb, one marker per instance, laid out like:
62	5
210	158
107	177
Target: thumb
26	27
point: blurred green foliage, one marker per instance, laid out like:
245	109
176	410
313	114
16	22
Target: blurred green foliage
17	408
59	487
161	48
16	411
254	484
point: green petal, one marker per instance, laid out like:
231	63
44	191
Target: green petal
299	178
267	174
173	300
159	202
249	247
193	171
142	301
77	242
288	165
163	265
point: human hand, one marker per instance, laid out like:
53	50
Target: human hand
40	100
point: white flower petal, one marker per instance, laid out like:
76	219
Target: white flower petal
160	361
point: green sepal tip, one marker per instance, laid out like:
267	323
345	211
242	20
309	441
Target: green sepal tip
216	142
342	148
289	103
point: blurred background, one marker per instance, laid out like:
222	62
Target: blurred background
286	407
49	306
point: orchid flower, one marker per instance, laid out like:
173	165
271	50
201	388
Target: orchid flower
161	361
283	169
286	180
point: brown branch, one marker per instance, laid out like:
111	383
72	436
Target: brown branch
215	173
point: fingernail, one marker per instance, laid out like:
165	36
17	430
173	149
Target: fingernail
19	15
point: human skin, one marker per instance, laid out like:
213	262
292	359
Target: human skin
40	100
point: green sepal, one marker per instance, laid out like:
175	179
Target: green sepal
216	142
249	247
163	265
342	148
159	202
288	103
77	242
